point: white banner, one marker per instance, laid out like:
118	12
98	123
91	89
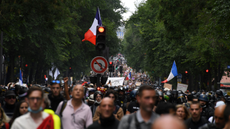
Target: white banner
182	87
116	81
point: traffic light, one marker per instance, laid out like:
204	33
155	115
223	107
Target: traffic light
186	72
26	65
100	38
111	67
207	70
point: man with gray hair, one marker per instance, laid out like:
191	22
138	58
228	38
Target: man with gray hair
75	114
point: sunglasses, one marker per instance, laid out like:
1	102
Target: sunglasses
11	97
56	81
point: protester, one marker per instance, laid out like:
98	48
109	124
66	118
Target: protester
36	118
10	103
196	120
219	119
207	111
55	97
219	103
165	108
75	114
4	120
227	116
182	113
168	122
97	100
133	105
107	119
122	99
118	112
20	109
46	108
189	101
144	117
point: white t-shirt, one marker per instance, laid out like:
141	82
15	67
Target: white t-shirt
27	122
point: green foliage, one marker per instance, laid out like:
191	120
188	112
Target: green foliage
46	33
193	33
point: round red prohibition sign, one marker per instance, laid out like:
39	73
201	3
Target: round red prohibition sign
99	64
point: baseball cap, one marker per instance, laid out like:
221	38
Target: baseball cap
10	93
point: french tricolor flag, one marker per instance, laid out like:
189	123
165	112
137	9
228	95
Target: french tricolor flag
90	35
172	74
129	76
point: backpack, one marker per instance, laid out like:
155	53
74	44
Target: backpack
136	121
63	107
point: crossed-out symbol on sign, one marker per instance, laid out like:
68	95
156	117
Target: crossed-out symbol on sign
99	64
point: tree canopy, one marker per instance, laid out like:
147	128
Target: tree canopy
193	33
49	33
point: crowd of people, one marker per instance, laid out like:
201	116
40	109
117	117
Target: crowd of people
84	106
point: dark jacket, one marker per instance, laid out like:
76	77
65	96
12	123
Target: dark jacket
195	125
94	108
108	123
55	101
207	112
209	126
9	109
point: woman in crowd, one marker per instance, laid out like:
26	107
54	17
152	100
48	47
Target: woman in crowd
118	113
182	112
20	109
4	120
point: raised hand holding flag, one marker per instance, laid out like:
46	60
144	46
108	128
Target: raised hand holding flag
172	74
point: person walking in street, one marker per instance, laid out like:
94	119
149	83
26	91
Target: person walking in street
182	112
74	113
145	116
118	112
196	120
55	97
10	103
4	120
168	122
219	119
36	118
20	109
107	119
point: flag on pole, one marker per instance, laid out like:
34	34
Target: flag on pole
172	74
56	73
51	72
20	78
129	76
90	35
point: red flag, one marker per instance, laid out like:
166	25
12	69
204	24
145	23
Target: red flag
47	123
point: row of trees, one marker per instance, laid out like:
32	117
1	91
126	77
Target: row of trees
49	33
193	33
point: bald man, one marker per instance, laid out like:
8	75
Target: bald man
107	119
168	122
219	119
